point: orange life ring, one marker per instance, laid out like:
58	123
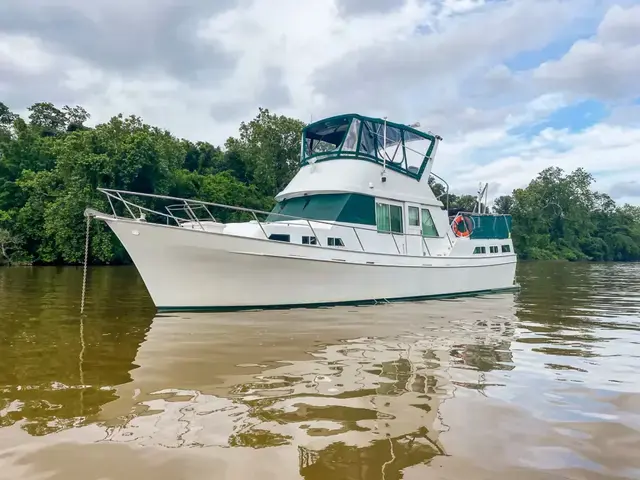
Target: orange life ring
456	229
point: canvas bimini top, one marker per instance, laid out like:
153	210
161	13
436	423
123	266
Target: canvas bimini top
398	147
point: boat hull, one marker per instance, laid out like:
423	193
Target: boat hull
187	270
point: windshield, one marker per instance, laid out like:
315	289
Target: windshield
326	136
399	147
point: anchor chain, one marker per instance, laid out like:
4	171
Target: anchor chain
86	262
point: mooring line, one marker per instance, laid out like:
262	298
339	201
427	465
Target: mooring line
86	262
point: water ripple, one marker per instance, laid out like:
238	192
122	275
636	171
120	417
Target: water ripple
517	385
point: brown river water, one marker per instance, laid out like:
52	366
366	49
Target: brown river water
543	383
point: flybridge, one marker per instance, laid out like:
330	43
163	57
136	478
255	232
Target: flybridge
398	147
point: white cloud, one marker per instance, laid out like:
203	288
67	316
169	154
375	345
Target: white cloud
606	66
603	67
262	38
198	69
609	152
436	73
24	54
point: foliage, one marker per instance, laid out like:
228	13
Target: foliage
269	151
51	165
9	247
559	216
456	203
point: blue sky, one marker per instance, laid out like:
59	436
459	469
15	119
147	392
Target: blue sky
574	118
513	86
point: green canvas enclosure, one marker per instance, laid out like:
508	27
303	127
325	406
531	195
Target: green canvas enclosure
399	147
490	226
339	207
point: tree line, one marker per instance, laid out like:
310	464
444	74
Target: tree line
51	164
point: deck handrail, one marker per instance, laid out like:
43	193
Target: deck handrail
188	205
117	194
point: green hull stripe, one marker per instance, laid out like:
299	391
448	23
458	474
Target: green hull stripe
168	309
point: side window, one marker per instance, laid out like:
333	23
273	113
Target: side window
388	218
414	216
309	240
506	249
280	237
383	221
479	250
493	249
335	242
428	227
396	218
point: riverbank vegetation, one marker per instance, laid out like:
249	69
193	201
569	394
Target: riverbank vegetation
51	164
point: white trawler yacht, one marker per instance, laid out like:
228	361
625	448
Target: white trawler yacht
358	223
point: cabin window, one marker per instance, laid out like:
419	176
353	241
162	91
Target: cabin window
396	218
493	249
388	218
335	242
382	217
309	240
479	250
428	227
280	237
506	248
414	216
341	207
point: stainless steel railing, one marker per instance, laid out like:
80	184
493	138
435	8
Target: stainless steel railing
190	207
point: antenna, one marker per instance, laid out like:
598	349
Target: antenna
384	145
384	149
482	194
486	198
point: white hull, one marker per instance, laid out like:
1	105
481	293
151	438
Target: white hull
186	269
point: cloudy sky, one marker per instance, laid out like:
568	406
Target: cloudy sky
513	86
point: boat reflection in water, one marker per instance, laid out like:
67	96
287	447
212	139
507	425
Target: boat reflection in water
352	392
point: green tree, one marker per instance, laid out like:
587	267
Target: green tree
47	118
438	189
503	204
559	216
52	165
7	117
268	149
10	246
75	117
